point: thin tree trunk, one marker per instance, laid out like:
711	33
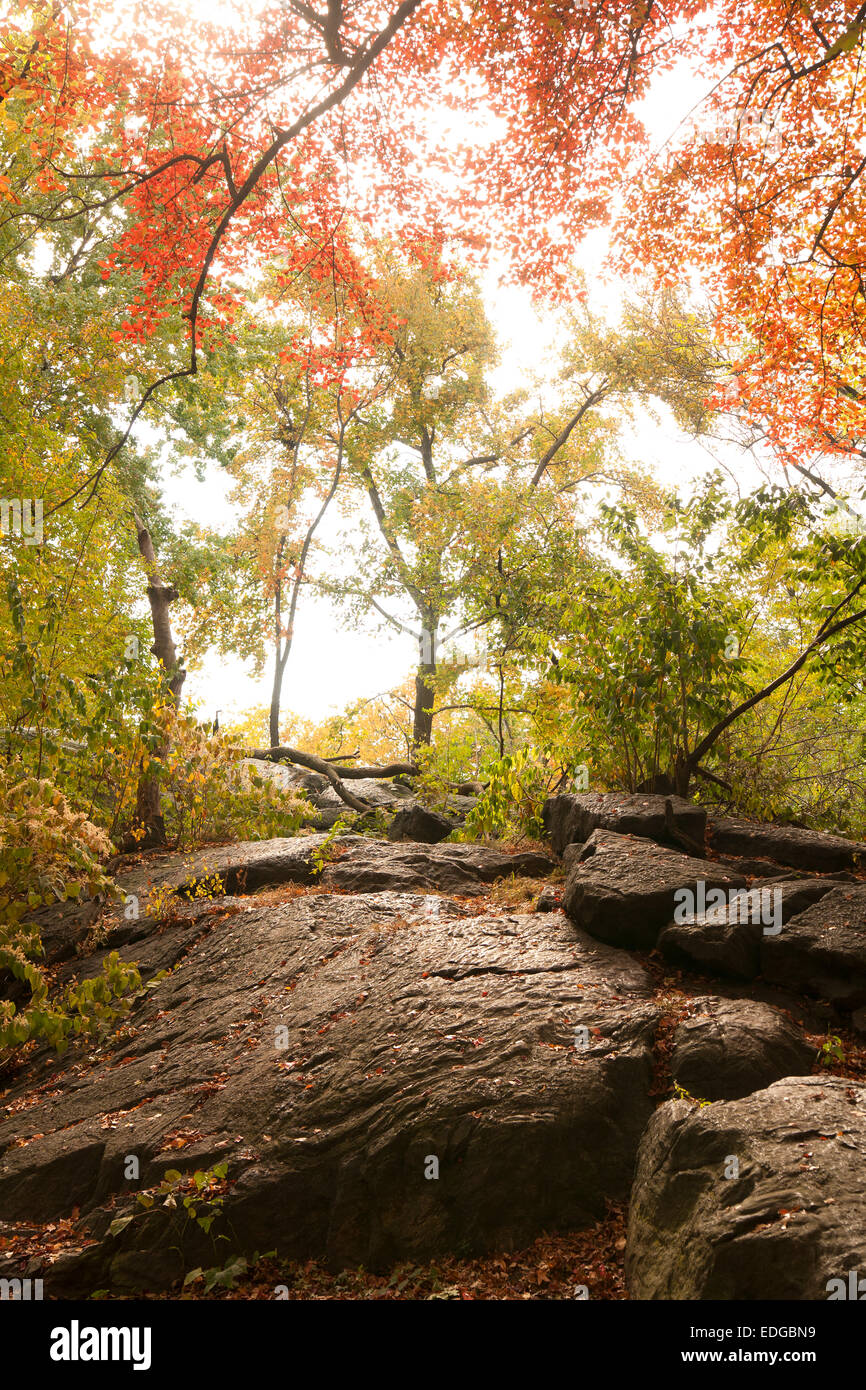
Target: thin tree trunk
149	826
281	655
422	720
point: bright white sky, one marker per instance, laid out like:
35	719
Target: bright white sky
331	665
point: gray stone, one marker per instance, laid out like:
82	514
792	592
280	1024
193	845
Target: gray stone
822	951
418	823
370	865
785	844
727	1048
722	944
792	1220
573	818
278	773
374	791
622	890
410	1033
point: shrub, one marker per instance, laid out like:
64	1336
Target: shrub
48	854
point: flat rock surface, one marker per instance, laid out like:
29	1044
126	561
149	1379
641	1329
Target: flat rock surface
572	818
146	881
327	1048
789	1219
622	889
801	849
346	861
461	869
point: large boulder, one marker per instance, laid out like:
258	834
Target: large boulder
728	941
762	1198
374	791
726	1048
623	890
373	866
811	850
573	818
419	823
822	951
387	1077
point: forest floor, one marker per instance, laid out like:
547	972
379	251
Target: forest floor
584	1264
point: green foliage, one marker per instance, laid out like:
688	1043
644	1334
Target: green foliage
444	762
207	794
652	656
50	854
512	801
202	1195
220	1277
831	1051
327	850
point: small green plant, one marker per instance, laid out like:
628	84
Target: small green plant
324	852
831	1050
202	1203
223	1277
683	1094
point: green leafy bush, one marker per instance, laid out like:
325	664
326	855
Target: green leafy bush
513	799
208	794
50	854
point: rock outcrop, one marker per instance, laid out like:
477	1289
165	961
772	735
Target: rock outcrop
622	889
727	1048
572	818
396	1059
810	850
762	1198
387	1076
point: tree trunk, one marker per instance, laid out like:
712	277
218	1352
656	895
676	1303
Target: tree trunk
276	696
422	722
682	774
148	827
274	713
281	654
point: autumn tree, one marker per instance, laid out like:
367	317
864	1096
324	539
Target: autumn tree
451	471
291	413
760	190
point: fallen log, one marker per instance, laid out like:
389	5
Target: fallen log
335	775
292	755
